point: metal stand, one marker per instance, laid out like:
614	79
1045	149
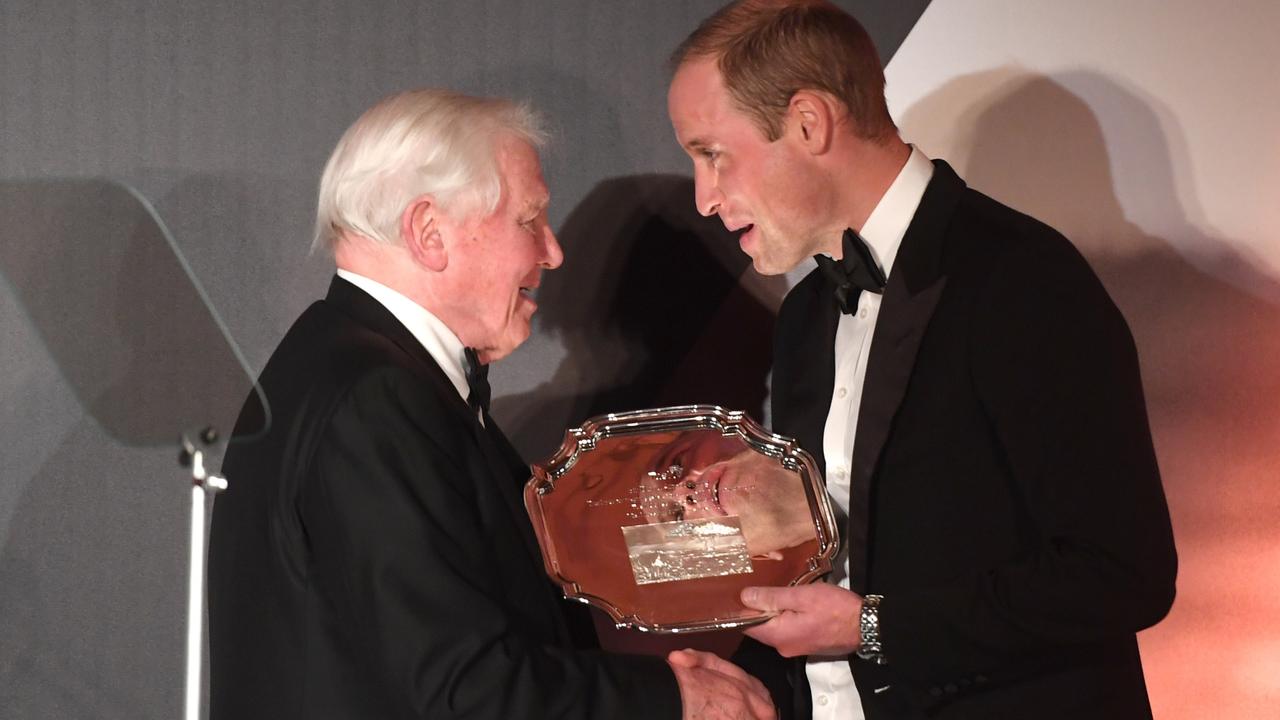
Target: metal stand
203	486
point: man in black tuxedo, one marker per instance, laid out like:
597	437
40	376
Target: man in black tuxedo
959	371
372	557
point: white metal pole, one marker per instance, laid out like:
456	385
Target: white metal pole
203	486
195	602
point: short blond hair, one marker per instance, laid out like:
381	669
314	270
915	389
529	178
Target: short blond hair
418	142
767	50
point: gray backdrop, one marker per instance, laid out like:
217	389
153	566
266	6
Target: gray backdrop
1144	130
216	117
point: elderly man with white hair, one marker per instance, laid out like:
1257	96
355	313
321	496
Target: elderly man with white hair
372	557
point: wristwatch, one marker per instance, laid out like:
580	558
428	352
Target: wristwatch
869	628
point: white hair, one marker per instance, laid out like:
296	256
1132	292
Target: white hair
418	142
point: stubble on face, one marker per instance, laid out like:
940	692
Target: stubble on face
768	190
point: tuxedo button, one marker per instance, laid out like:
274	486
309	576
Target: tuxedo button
841	393
823	700
862	313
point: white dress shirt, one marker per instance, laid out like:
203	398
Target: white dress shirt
830	679
438	340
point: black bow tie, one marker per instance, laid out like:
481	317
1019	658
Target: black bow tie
856	272
477	382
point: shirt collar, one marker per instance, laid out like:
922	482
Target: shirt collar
888	222
436	337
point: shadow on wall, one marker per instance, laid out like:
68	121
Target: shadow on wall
584	144
654	305
91	565
1067	149
111	300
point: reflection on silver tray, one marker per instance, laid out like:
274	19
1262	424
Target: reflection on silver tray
660	517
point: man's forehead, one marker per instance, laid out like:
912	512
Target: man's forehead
695	102
697	75
522	175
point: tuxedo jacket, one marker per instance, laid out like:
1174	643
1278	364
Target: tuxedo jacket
372	556
1005	496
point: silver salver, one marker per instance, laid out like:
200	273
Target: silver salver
660	517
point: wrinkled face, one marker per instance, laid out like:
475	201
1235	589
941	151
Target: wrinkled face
768	190
496	262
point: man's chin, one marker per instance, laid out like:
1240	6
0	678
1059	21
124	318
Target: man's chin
767	266
514	338
762	261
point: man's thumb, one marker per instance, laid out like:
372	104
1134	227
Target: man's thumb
761	598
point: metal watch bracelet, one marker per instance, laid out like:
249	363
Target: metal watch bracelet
869	629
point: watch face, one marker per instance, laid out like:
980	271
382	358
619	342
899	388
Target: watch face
660	517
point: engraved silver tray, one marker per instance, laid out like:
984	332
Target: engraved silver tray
660	517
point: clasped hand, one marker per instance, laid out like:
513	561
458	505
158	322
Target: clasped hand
817	619
712	688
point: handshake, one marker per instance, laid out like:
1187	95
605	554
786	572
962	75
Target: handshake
818	619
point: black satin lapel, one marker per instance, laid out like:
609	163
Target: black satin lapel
910	298
505	465
893	354
817	385
806	367
506	468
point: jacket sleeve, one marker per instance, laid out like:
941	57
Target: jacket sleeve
1056	370
401	558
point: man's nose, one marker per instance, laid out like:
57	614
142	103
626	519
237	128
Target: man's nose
552	254
706	194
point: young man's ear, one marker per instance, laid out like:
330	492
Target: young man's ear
420	233
811	116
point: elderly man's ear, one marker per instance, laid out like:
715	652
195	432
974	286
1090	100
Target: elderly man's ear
420	233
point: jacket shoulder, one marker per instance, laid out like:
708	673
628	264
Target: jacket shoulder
991	231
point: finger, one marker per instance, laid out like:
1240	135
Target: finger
764	632
683	658
715	663
778	634
762	708
768	599
758	692
711	661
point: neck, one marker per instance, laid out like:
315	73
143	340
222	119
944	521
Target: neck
389	265
863	174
